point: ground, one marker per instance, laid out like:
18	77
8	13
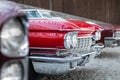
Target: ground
104	67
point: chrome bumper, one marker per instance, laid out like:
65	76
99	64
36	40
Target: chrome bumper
112	42
98	48
50	65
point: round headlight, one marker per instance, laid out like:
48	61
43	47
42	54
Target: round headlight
74	41
14	41
12	71
71	40
67	41
97	35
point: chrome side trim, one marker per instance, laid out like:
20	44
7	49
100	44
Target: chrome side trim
40	48
43	48
52	51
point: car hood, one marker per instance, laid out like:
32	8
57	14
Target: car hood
52	24
85	25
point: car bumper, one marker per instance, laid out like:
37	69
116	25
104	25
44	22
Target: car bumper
50	65
112	42
98	48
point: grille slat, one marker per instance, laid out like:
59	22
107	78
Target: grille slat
84	43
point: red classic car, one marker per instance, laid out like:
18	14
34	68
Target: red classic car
103	33
13	42
110	34
58	45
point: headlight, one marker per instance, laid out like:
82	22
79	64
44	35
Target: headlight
74	41
12	71
71	40
14	41
67	41
97	35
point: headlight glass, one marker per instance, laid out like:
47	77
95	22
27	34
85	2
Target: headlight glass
74	41
71	40
97	35
12	71
68	41
13	38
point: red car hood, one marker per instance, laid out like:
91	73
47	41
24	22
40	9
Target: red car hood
86	26
52	24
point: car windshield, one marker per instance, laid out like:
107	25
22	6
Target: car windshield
47	14
33	14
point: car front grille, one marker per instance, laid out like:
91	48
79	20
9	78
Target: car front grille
117	34
84	43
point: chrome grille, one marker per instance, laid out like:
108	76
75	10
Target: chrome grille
84	43
117	34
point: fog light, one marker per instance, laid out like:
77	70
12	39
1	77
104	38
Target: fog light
12	71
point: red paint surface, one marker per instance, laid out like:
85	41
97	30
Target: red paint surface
85	26
47	33
47	39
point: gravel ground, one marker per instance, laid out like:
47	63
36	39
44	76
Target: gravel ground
104	67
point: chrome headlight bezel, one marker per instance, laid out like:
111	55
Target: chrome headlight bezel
12	70
71	40
97	35
23	47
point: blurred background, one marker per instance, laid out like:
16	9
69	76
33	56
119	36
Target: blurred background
102	10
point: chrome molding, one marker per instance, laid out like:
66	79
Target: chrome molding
40	48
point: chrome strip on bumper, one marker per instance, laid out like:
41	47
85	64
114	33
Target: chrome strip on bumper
58	60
